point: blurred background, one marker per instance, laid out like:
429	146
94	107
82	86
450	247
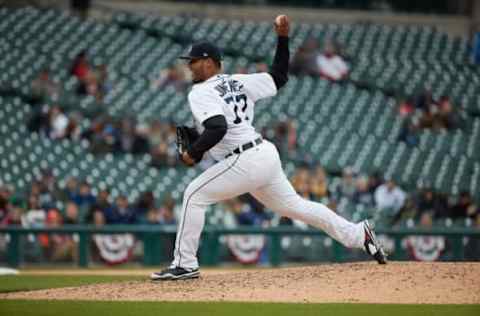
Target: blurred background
380	120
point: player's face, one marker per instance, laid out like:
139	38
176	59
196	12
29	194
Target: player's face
198	69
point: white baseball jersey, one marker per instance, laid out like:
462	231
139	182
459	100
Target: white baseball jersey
234	97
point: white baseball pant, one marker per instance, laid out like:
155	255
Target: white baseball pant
258	171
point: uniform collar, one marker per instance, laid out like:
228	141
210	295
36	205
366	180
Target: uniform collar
211	79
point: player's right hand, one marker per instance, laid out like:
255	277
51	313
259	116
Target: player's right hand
282	25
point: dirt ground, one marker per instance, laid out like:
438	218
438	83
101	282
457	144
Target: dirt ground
396	282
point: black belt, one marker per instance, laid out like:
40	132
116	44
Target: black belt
245	146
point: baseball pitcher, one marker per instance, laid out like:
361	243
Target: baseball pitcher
223	109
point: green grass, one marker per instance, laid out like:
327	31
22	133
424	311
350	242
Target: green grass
13	283
74	308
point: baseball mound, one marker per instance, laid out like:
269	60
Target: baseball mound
396	282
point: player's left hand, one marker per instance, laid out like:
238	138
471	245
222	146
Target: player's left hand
282	25
187	159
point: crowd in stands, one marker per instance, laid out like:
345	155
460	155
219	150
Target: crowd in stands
46	204
53	122
78	203
44	87
93	79
384	196
329	63
177	76
422	112
284	135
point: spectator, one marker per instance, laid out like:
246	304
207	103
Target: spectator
427	119
157	136
446	117
103	85
39	122
33	204
167	215
43	88
35	216
284	137
319	185
98	218
73	130
162	144
121	212
58	123
362	194
389	198
71	189
260	66
102	135
80	69
465	207
130	141
424	100
253	203
14	215
331	66
374	181
103	200
347	188
5	205
11	207
58	247
409	133
176	76
406	107
244	214
72	216
304	61
300	182
145	203
47	188
427	201
84	199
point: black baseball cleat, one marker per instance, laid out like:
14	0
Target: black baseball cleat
372	246
175	273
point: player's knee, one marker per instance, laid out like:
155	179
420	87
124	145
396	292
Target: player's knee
193	195
294	202
291	205
189	192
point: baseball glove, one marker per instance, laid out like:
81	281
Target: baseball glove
186	136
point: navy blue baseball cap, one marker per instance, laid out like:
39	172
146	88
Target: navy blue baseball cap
203	50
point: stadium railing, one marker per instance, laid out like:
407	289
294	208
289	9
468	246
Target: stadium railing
209	247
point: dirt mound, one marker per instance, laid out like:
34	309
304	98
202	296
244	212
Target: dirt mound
396	282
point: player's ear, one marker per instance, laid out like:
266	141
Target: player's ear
214	64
